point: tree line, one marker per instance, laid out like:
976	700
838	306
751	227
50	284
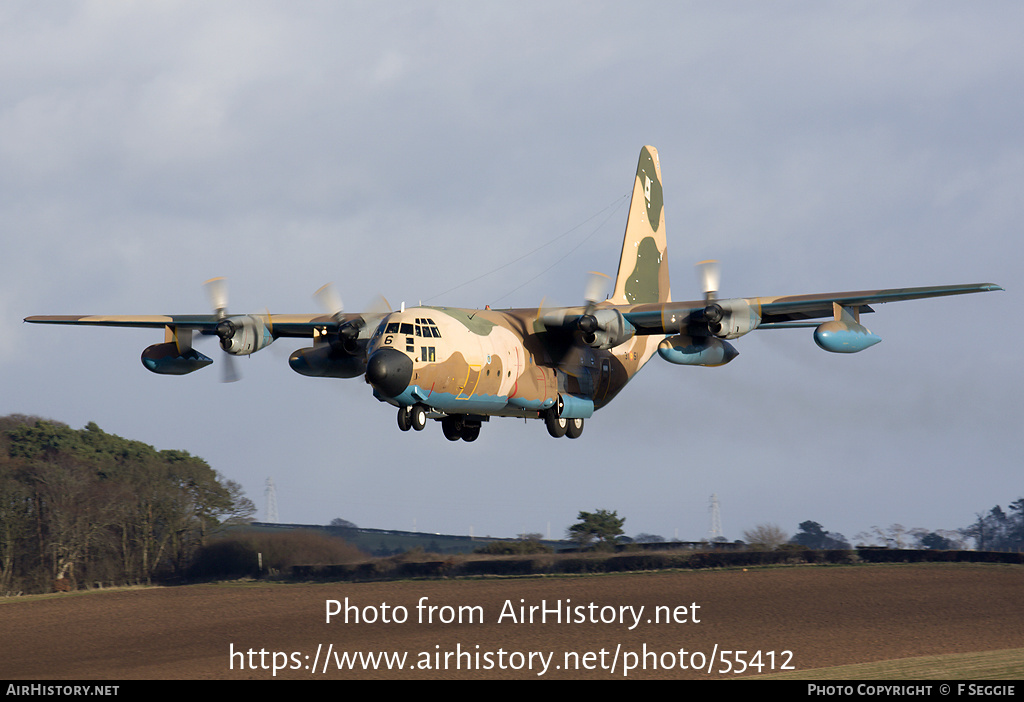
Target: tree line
995	530
79	507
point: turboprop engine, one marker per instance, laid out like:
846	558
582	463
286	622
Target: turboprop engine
605	329
339	355
243	335
731	319
326	362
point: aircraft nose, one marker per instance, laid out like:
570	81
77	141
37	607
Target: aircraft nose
389	371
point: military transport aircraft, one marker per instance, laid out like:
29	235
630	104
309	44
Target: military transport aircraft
464	366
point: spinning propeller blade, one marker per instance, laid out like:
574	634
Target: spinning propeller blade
710	275
217	291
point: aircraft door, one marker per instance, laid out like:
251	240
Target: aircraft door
604	380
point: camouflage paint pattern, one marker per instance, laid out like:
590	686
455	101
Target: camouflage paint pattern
464	366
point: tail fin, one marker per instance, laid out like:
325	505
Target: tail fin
643	266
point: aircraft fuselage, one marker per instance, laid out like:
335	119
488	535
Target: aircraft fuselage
494	362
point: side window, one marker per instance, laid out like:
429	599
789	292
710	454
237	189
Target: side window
377	333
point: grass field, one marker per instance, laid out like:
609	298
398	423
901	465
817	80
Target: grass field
950	621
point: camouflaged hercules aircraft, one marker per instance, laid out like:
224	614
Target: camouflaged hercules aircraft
462	367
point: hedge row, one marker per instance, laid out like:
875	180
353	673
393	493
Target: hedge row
572	564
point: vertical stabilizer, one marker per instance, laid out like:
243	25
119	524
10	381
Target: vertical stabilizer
643	266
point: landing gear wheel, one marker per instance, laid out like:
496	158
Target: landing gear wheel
418	417
557	426
574	429
470	432
452	428
403	418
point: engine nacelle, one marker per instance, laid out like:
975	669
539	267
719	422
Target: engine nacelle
731	319
323	361
696	351
167	360
243	335
605	329
844	336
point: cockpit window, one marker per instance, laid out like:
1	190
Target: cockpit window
392	328
378	332
426	329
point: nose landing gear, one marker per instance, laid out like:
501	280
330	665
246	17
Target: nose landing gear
414	417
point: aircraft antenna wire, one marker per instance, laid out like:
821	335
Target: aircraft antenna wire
617	206
614	207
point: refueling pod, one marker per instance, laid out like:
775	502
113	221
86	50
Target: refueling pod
323	361
685	350
845	336
166	359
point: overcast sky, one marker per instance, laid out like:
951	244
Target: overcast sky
405	148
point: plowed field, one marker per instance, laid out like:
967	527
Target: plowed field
593	626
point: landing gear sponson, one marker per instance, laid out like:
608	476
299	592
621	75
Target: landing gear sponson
467	427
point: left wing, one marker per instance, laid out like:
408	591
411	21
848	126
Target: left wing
767	312
700	329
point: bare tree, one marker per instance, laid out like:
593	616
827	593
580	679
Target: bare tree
765	537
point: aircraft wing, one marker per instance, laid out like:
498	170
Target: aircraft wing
673	317
282	325
800	307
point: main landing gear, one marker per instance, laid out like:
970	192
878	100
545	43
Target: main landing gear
454	426
562	426
457	427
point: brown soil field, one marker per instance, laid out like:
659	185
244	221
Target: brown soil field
821	615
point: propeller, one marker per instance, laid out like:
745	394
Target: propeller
217	291
329	300
710	274
594	289
586	323
595	286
